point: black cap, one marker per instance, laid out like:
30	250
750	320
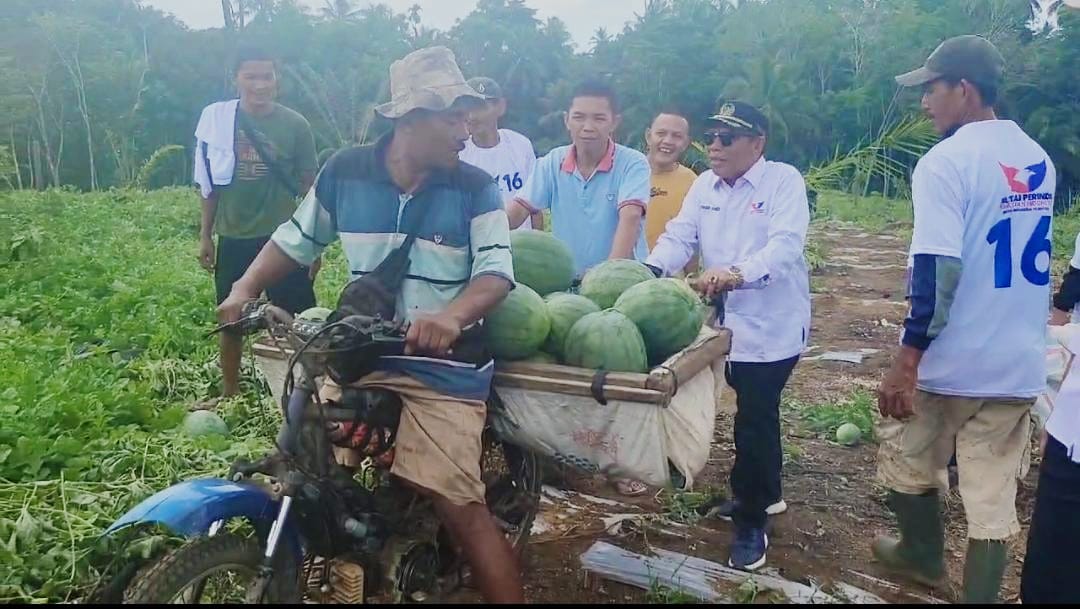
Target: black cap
972	58
740	115
486	87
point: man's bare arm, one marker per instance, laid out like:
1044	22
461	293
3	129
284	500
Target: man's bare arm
206	231
435	334
516	212
626	235
483	294
538	220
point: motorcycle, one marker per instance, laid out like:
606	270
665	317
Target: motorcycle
299	526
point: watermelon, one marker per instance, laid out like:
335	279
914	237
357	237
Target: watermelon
519	325
605	282
541	261
666	312
848	434
540	357
200	423
606	340
564	310
314	314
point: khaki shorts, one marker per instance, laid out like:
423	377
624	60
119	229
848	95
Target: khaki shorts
438	439
991	437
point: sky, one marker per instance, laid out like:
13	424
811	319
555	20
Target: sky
582	17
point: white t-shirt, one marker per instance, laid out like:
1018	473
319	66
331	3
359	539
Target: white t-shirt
986	196
1064	423
510	163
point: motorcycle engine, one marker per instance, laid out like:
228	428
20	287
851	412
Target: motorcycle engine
412	570
335	582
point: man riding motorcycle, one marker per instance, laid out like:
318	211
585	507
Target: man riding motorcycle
408	195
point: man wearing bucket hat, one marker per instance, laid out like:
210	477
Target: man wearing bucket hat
409	192
748	217
972	358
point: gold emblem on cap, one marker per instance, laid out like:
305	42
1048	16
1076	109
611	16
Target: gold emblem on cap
726	110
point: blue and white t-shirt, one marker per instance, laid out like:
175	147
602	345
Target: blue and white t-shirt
985	195
510	163
462	233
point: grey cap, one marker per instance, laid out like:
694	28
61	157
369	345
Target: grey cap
970	57
487	87
426	79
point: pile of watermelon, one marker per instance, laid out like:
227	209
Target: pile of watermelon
622	319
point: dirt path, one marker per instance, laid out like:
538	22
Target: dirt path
835	505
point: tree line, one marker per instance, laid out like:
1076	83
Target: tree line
103	93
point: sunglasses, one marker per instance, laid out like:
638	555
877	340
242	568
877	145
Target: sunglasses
726	138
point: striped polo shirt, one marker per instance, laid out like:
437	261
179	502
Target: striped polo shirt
462	233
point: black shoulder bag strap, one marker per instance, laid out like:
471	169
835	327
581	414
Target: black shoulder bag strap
206	161
275	169
376	292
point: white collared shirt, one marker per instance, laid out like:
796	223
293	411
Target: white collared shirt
759	225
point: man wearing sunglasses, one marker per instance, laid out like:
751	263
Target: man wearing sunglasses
748	217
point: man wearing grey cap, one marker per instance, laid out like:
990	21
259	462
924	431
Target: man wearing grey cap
971	360
506	154
409	191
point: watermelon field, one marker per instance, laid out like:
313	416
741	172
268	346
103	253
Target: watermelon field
103	315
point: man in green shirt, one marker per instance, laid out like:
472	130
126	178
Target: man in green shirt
272	161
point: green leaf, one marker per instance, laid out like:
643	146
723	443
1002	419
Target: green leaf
27	529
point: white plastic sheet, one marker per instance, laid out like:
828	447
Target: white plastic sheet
630	439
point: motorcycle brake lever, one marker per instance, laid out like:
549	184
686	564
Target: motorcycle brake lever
254	312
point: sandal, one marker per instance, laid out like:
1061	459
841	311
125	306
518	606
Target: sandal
628	487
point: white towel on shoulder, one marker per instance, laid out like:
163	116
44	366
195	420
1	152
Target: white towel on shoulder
217	129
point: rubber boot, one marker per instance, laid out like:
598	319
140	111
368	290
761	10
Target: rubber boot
919	554
983	569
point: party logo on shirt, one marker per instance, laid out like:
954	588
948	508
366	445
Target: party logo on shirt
757	208
1024	183
656	191
1028	179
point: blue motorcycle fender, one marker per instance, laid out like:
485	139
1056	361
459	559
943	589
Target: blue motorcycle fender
189	508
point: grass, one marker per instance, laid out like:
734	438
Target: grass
877	214
792	452
1066	228
103	314
816	254
660	594
823	418
874	213
681	506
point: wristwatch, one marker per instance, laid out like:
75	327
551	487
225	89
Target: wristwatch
737	273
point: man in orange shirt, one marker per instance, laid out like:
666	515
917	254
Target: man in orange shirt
667	138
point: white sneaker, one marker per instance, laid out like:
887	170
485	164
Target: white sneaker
777	508
727	508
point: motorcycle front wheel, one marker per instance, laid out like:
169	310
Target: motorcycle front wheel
218	570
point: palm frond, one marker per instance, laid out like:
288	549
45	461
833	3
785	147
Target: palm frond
886	159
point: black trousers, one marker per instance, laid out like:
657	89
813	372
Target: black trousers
755	479
1052	562
295	293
